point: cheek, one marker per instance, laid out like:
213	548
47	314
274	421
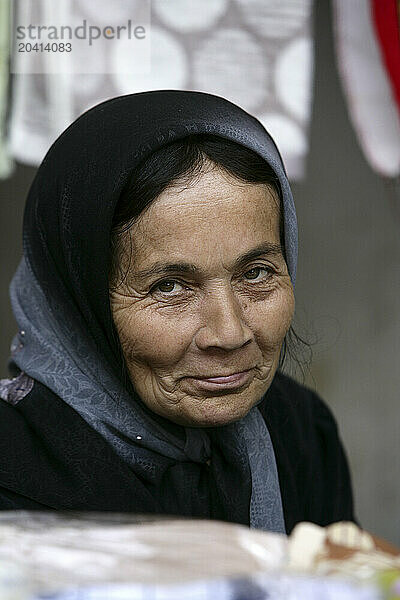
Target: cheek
149	337
271	319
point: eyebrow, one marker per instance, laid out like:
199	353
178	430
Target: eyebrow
267	248
160	268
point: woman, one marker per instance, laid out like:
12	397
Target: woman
154	299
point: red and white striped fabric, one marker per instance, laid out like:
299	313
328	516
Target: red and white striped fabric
367	41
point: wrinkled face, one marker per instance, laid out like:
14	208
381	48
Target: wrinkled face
206	300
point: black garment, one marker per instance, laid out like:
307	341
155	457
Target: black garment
51	459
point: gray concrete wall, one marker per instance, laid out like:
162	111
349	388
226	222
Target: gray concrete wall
347	291
348	294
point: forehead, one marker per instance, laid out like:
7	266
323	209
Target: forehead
213	214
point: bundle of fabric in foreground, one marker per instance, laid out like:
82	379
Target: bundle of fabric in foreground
86	556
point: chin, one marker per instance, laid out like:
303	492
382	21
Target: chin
217	411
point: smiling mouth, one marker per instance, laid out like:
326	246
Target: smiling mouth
221	382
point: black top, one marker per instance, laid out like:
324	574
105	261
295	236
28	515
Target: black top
51	459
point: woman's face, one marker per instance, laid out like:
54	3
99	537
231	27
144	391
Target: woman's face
206	300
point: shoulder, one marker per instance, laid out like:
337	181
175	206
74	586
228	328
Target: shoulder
15	389
312	465
26	403
302	426
24	413
18	444
33	418
290	403
291	392
12	391
50	457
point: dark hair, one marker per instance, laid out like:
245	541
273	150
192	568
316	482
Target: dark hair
179	163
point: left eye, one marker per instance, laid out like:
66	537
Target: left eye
256	273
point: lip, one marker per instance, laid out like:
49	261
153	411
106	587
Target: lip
222	382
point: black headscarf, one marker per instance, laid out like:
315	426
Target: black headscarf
61	301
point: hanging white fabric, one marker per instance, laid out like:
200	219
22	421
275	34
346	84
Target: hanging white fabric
256	53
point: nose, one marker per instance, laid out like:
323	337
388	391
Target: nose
225	327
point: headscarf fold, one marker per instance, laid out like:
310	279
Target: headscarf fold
60	295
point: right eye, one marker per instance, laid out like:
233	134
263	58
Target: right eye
169	286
